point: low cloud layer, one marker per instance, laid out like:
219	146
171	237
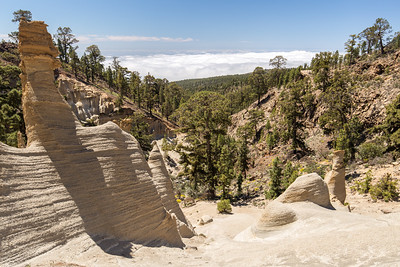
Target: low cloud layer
187	66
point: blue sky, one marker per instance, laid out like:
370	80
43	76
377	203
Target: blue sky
151	30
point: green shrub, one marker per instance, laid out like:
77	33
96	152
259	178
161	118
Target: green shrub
315	167
10	57
167	146
224	206
391	123
281	178
363	186
385	189
370	150
349	137
290	174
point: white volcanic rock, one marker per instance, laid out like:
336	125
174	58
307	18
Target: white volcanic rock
335	179
72	181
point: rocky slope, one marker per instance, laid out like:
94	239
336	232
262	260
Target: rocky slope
377	83
72	182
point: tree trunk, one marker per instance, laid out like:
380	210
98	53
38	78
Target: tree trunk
381	45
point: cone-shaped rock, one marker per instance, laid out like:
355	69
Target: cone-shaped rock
165	189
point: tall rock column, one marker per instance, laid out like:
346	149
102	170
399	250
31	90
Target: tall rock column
335	178
102	168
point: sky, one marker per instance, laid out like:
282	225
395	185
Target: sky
181	39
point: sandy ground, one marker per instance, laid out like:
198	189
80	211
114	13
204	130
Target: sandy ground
320	237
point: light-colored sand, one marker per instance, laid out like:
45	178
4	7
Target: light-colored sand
320	237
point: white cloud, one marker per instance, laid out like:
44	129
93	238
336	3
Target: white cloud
129	38
187	66
4	36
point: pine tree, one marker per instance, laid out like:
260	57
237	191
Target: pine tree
140	130
94	60
224	165
337	102
278	62
150	92
259	82
289	174
109	77
391	124
202	118
85	66
243	158
134	86
293	110
74	61
351	48
321	67
65	40
349	137
382	28
11	117
275	182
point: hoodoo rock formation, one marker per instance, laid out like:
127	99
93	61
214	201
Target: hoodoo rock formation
73	181
335	179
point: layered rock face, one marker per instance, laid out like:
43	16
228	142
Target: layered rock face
86	102
335	178
165	189
72	180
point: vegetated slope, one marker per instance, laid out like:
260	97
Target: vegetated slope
377	85
372	84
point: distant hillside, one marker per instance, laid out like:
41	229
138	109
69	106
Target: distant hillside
237	88
219	83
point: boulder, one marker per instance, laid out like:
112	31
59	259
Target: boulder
205	219
335	179
275	214
308	187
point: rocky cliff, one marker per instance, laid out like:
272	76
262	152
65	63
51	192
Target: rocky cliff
87	102
72	180
94	106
